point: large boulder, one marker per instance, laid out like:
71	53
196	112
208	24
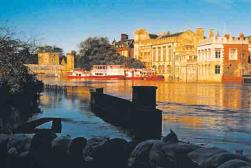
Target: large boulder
3	148
219	158
41	141
139	157
170	138
77	146
96	152
103	152
41	150
118	153
160	158
200	155
18	143
235	163
173	155
16	146
76	158
93	145
60	146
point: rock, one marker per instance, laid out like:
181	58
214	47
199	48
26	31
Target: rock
61	144
42	140
235	163
118	153
76	158
3	148
131	145
20	142
170	138
171	155
77	146
139	158
41	151
60	147
180	147
92	145
219	158
200	155
160	158
95	152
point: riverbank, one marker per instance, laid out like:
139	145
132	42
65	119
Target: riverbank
46	150
17	106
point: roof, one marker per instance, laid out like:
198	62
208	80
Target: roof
125	43
172	35
153	36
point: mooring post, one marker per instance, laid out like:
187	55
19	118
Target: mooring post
144	96
147	120
94	92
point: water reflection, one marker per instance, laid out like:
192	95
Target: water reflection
212	114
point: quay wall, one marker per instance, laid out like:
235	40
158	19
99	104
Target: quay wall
139	116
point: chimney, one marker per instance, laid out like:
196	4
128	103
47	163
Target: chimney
211	33
241	35
199	31
227	36
124	37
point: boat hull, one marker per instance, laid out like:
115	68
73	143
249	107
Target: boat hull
118	77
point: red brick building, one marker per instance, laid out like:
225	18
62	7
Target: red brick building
237	62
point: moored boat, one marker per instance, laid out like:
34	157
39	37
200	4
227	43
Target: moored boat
118	72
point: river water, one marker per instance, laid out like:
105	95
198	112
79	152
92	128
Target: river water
210	114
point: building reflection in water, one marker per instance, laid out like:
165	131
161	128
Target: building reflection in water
213	114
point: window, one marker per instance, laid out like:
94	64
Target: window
217	53
217	69
159	54
164	53
233	54
249	59
154	54
169	53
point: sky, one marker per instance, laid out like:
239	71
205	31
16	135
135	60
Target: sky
65	23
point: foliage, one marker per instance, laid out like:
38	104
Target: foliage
98	51
48	48
18	88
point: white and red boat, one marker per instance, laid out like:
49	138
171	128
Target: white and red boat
115	72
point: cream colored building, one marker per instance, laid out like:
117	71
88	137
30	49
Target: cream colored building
172	55
51	64
143	46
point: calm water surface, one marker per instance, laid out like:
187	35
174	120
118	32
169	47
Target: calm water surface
212	114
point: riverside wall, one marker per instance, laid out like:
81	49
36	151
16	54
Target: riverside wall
140	116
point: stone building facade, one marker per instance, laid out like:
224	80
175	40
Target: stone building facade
124	46
51	64
172	55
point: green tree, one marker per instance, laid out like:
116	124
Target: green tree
48	48
98	51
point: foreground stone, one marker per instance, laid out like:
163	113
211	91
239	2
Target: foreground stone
46	150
